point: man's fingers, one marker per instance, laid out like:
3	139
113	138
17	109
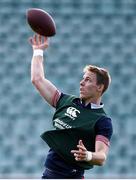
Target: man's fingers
40	38
35	38
45	44
81	143
79	156
78	152
30	40
45	39
81	147
39	42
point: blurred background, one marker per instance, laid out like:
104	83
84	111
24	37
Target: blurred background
98	32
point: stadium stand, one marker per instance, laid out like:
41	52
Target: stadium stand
88	32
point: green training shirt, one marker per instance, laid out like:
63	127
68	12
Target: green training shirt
72	123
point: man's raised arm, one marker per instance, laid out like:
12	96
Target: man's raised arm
44	86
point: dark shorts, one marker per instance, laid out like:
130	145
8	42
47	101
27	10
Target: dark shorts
52	174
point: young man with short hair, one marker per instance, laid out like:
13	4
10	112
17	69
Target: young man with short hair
82	129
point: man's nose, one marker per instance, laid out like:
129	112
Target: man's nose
82	82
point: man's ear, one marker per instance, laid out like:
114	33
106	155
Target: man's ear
100	87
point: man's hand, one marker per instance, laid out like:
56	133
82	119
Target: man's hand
96	158
81	154
39	42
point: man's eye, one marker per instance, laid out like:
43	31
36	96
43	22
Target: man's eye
89	80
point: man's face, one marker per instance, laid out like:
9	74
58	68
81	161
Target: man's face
88	86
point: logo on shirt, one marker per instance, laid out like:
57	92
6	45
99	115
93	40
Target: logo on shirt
60	124
72	112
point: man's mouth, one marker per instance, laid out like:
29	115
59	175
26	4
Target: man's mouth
81	90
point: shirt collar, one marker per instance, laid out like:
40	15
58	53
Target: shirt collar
92	105
95	106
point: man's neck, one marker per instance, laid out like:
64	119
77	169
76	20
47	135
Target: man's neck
93	100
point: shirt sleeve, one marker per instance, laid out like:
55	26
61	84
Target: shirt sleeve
104	130
56	97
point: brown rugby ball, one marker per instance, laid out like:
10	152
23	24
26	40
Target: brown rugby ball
41	22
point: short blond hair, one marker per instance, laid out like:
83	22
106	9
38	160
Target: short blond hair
102	75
